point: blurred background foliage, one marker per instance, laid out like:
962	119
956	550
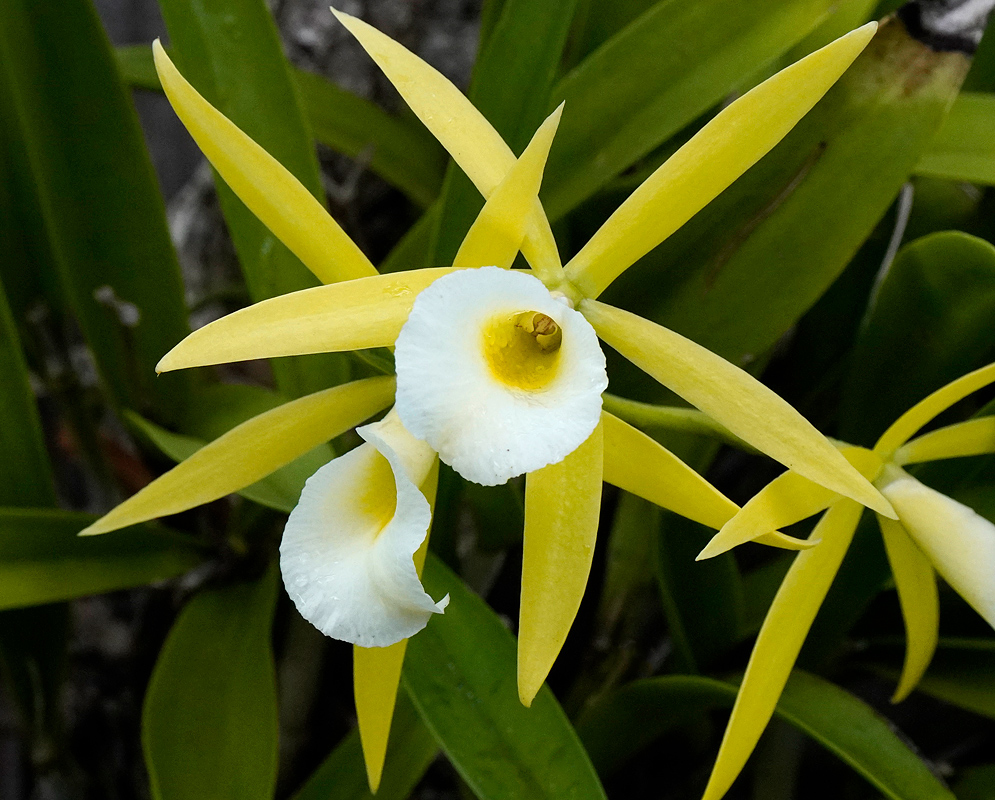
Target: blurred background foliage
852	269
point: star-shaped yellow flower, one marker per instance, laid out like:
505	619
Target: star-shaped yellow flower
498	371
933	533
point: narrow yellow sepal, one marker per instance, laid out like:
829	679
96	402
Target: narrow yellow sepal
739	136
351	315
972	438
270	191
468	137
642	466
915	580
251	451
562	507
733	398
905	427
780	640
496	235
376	674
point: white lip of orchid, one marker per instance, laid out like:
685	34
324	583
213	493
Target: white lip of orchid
492	396
959	542
347	549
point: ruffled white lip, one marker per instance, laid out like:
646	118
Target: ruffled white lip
959	542
447	394
347	549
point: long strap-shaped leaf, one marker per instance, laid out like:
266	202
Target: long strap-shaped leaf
915	580
732	397
376	674
252	451
562	506
350	315
270	191
732	142
780	640
468	137
974	437
496	235
903	428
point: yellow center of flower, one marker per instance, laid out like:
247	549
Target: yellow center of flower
522	350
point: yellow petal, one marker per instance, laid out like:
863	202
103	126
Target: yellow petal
642	466
905	426
469	138
738	137
915	580
972	438
376	674
496	236
269	190
733	398
780	639
251	451
351	315
562	505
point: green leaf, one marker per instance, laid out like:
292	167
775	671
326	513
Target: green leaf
976	783
399	149
410	751
94	184
230	51
209	724
42	559
688	57
637	714
511	85
460	672
743	271
930	322
964	149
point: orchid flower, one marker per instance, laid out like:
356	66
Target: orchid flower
499	372
933	534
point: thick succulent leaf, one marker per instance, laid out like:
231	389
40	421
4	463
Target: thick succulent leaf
42	560
351	315
635	715
733	398
252	451
209	722
562	511
342	775
460	674
94	186
963	150
740	135
915	580
689	58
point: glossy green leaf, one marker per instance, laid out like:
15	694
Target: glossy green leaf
397	149
460	672
930	323
964	149
231	53
750	264
689	56
638	713
511	84
94	184
410	751
209	723
42	560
